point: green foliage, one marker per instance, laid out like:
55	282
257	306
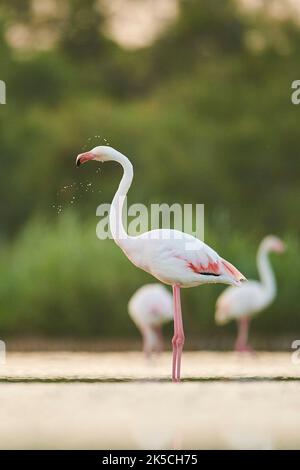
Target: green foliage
51	84
59	279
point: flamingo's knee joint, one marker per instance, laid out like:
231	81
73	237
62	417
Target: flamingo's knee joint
180	340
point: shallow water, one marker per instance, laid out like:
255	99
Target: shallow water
82	400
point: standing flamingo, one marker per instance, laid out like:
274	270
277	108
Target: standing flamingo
173	257
150	307
254	296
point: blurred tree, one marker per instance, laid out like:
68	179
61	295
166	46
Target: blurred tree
81	35
203	29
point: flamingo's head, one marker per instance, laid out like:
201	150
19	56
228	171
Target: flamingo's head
273	243
102	153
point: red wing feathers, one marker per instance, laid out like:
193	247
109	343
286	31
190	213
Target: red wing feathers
213	268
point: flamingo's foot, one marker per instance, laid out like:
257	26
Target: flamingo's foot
176	380
159	350
148	356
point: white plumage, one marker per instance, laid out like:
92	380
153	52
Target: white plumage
173	257
150	307
253	296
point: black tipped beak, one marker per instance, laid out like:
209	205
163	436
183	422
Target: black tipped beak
84	157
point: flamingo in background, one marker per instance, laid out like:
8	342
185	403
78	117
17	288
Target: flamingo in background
150	307
173	257
254	296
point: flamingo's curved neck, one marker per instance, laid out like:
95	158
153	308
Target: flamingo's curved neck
266	273
115	217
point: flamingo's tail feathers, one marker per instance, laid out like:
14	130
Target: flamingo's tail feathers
234	274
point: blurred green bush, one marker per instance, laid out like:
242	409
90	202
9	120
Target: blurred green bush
59	279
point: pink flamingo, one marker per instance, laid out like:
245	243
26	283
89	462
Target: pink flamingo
150	307
254	296
173	257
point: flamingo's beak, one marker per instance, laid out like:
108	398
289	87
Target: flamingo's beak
84	157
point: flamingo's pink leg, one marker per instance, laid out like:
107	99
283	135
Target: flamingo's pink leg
241	344
174	340
146	349
159	346
178	338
